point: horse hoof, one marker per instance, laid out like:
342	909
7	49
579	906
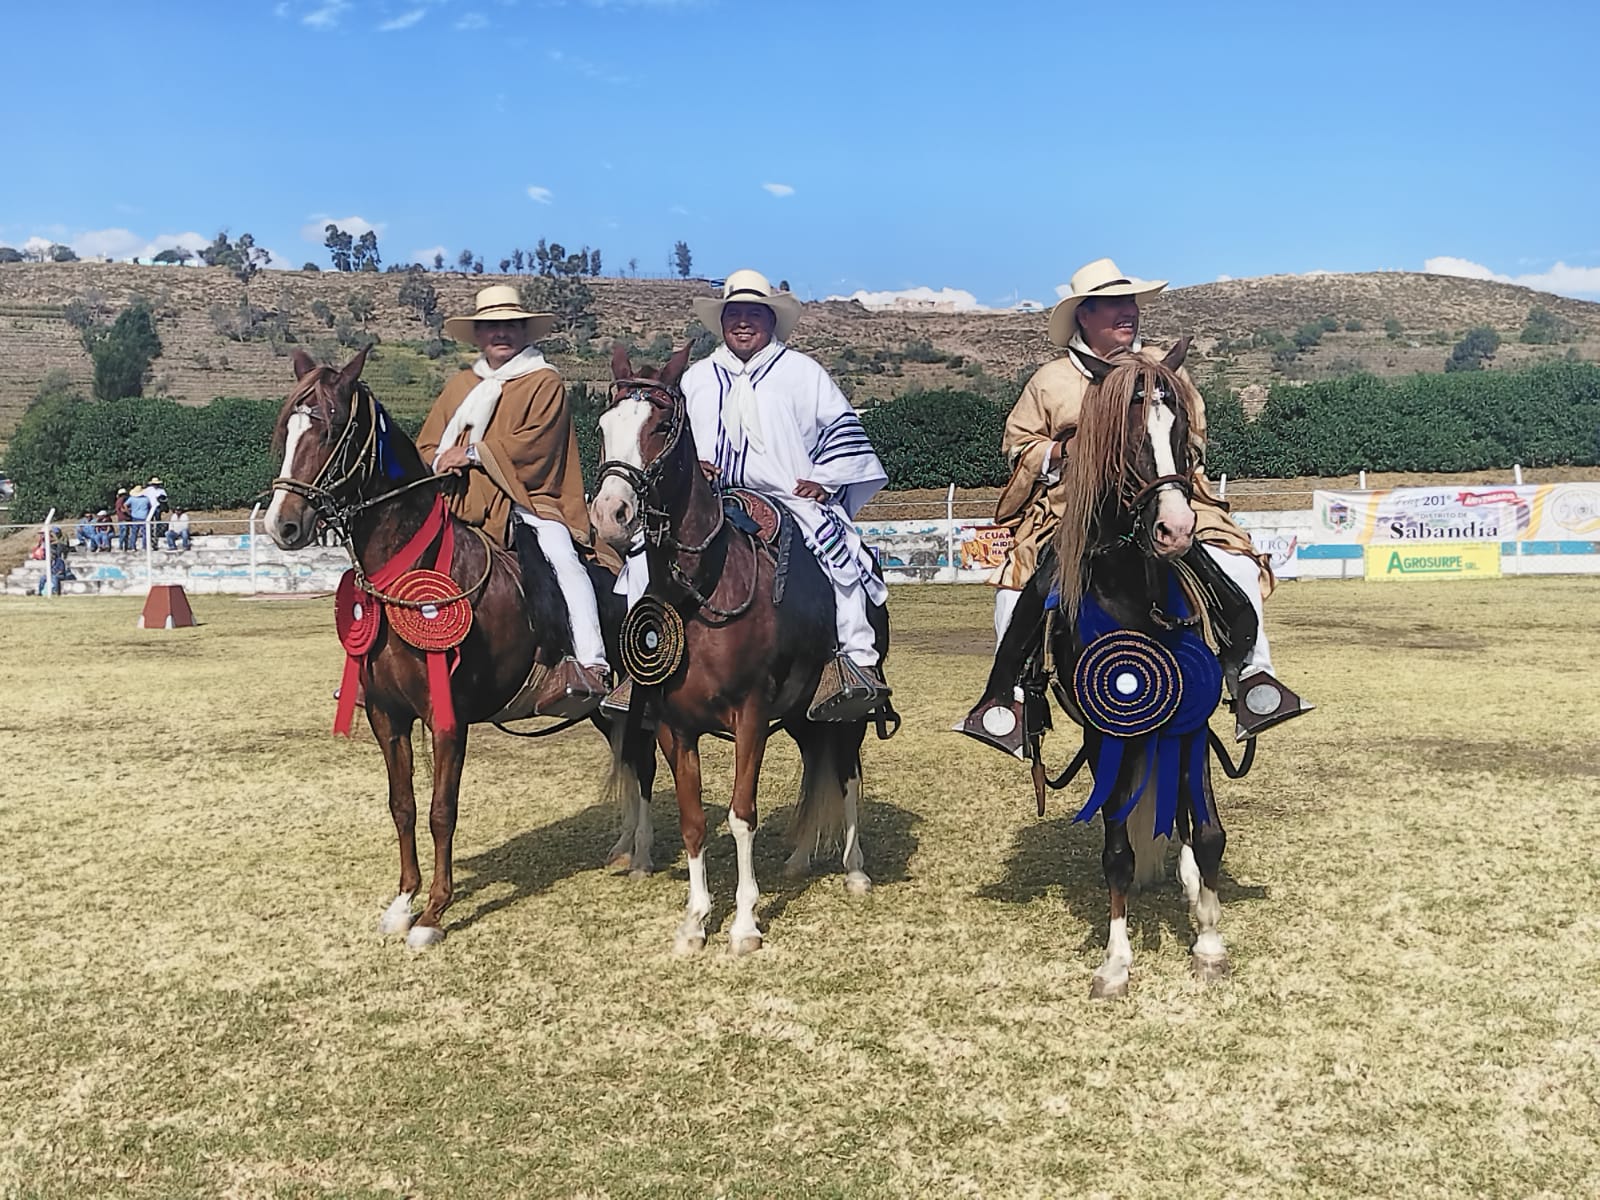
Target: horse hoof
641	872
748	944
620	861
796	871
1102	988
397	917
1207	969
423	936
857	883
685	945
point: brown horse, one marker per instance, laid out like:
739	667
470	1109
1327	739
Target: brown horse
1128	523
347	465
747	661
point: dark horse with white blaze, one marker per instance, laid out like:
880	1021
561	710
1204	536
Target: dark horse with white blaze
347	465
747	662
1125	646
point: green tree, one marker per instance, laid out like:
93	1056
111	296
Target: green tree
682	259
438	262
60	253
516	261
1392	329
361	306
365	257
594	263
541	257
311	266
568	297
323	312
340	247
1472	351
464	260
417	294
248	259
10	254
1544	328
505	266
220	253
123	353
174	255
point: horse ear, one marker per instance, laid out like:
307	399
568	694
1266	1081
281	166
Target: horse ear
352	369
1177	354
303	364
676	365
621	368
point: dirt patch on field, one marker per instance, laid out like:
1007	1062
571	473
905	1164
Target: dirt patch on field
973	642
1499	756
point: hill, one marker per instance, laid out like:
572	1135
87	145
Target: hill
1240	327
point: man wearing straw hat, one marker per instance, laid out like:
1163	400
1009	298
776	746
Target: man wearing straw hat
1096	320
505	425
767	418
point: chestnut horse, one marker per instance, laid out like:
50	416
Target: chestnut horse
346	464
748	662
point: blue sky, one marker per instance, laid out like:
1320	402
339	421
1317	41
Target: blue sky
988	147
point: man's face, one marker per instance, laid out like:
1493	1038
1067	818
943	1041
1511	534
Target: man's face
1109	323
500	341
747	328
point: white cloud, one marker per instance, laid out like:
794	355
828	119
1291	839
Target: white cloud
542	195
918	298
36	245
327	16
427	254
108	243
1563	280
471	21
678	210
315	230
404	21
1224	278
778	189
281	9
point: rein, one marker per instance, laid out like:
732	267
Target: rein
646	484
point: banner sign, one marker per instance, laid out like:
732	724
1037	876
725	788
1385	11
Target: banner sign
1532	512
984	547
1445	560
1279	545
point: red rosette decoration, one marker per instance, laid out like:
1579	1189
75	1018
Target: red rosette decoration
357	617
436	618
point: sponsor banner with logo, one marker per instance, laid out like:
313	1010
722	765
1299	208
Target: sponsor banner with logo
1280	545
1532	512
983	547
1444	560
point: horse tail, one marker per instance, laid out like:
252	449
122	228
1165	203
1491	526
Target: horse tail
1149	852
819	818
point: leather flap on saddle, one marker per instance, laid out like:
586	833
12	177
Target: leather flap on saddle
753	513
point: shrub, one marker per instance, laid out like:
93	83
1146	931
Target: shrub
934	438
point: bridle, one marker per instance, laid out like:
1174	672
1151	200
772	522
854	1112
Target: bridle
1137	492
353	462
656	521
355	465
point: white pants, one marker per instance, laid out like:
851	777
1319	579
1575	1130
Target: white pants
1238	567
856	641
555	539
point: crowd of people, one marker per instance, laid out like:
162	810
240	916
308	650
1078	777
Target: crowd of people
134	512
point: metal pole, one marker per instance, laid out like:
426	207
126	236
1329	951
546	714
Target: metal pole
149	553
1222	487
49	562
253	513
950	530
1363	484
1517	468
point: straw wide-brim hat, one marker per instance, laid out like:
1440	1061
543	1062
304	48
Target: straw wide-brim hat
155	480
745	286
1099	278
499	302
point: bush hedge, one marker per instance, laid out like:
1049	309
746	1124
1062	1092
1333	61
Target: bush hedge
935	438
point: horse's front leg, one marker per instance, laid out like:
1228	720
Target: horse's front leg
683	756
1116	860
1199	865
749	748
856	881
449	753
394	739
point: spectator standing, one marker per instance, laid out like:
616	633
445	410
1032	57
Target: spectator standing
139	507
123	521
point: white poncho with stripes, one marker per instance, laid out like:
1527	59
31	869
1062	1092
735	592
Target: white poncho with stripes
806	429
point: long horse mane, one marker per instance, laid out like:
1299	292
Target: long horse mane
1098	456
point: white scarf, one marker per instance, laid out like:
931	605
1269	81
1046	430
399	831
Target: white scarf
739	407
477	410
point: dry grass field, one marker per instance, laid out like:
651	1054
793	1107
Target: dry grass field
195	1002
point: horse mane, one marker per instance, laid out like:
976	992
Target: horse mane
1097	456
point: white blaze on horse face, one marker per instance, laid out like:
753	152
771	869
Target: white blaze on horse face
615	508
1173	512
299	426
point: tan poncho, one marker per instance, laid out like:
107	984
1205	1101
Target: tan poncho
1047	413
528	455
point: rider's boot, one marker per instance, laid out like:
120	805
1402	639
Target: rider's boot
999	718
